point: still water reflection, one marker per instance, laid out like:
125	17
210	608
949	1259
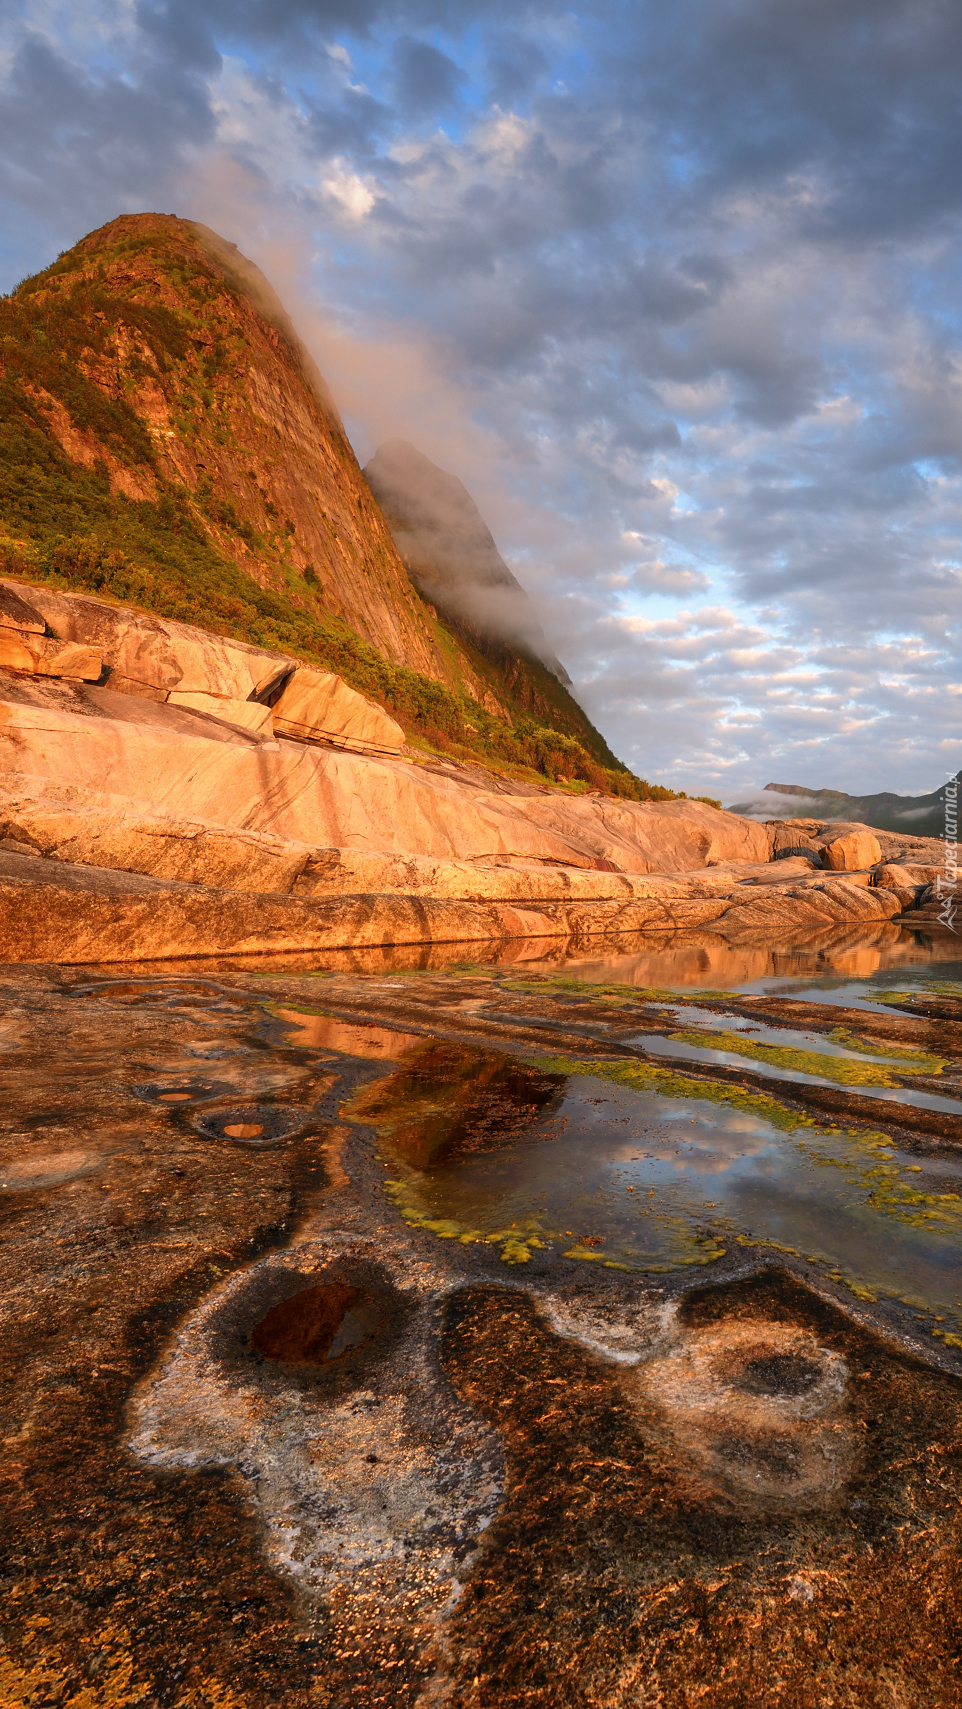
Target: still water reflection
643	1168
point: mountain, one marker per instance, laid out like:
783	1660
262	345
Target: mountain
915	815
166	441
453	561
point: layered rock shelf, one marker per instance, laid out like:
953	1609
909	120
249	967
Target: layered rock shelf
171	793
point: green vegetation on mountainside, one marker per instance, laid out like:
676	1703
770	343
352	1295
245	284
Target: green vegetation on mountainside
61	523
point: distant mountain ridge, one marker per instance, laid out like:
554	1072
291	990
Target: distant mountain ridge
916	815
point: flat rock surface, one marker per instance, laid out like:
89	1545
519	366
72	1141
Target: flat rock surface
271	1438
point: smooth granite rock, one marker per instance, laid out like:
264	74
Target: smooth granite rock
51	911
906	877
118	841
316	705
15	613
819	904
330	798
853	853
170	813
154	651
245	714
25	650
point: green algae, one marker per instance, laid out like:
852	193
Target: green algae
931	988
794	1061
686	1248
516	1244
866	1157
917	1060
645	1077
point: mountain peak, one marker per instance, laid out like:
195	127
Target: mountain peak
167	441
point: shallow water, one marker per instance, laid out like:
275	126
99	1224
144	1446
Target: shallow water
656	1183
630	1164
265	1371
682	1050
629	1177
838	970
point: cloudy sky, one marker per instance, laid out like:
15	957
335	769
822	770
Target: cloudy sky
675	289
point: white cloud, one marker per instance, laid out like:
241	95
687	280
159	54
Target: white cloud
354	196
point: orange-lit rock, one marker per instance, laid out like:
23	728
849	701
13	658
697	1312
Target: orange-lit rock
318	706
25	650
853	853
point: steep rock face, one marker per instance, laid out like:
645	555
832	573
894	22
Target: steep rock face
166	442
452	558
177	365
450	552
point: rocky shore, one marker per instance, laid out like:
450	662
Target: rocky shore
165	792
274	1437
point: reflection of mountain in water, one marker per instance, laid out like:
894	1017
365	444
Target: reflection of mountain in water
916	815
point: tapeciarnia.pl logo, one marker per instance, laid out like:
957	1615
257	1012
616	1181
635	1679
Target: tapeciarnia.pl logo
946	884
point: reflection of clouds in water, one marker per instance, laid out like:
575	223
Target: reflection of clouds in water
671	1137
714	1160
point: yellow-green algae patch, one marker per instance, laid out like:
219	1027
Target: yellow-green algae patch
917	1060
645	1077
518	1241
931	988
794	1061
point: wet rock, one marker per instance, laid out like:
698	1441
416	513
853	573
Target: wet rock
175	1093
251	1124
761	1410
372	1482
317	1325
30	1174
683	1520
265	1432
